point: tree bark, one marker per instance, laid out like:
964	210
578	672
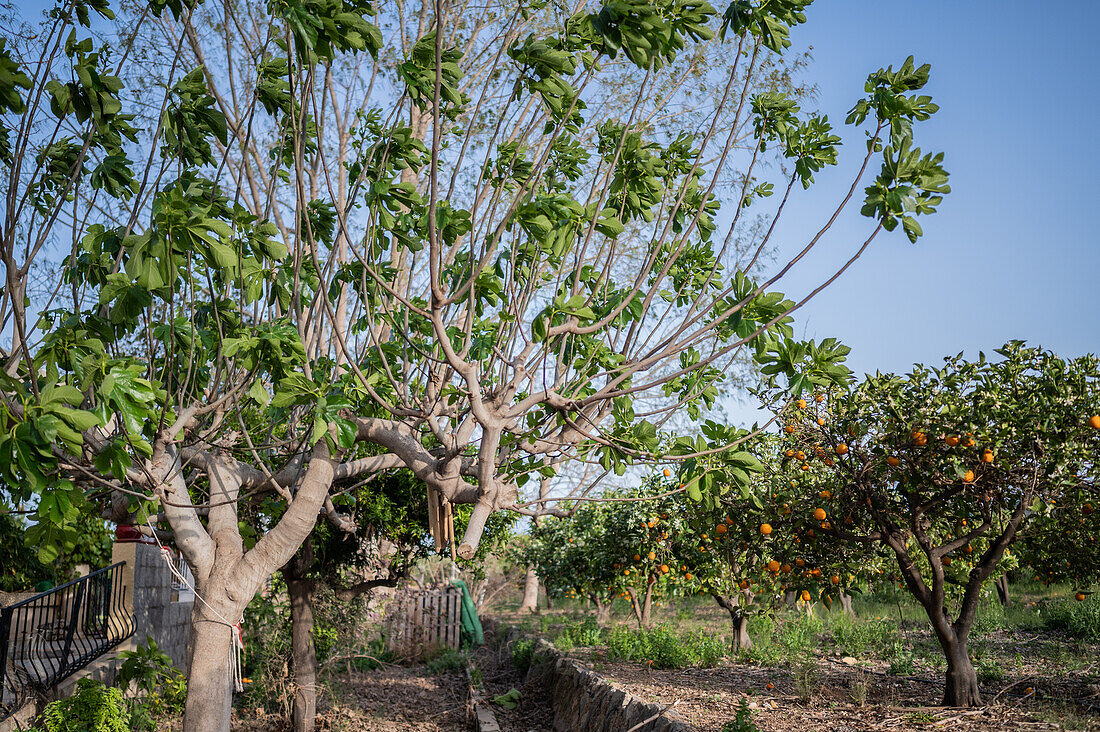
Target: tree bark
961	689
603	610
530	592
846	604
303	654
790	599
741	638
209	674
1001	584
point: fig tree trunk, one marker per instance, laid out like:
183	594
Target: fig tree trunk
530	592
209	673
303	654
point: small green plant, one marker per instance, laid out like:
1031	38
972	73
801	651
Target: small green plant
989	670
508	700
93	708
902	661
743	721
160	688
523	651
448	659
805	678
858	688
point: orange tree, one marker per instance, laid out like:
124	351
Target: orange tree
618	546
946	468
752	545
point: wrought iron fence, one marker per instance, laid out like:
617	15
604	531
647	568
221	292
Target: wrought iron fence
50	636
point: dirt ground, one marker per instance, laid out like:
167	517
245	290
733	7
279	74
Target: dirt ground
709	698
391	699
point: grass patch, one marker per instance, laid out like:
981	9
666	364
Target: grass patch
661	647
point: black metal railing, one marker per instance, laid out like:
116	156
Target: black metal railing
50	636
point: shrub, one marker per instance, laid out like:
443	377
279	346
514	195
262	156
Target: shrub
447	659
93	708
161	688
585	633
523	652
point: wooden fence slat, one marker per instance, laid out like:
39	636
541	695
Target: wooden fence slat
420	620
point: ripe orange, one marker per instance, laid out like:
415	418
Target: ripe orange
805	595
800	562
743	584
952	440
1094	421
919	438
626	572
945	561
805	466
1079	597
987	456
969	477
969	441
819	514
663	568
637	557
720	529
785	569
825	494
801	403
773	566
820	421
687	575
667	472
835	579
765	529
815	572
892	461
789	429
1086	509
842	449
829	462
800	455
789	453
819	398
652	556
969	549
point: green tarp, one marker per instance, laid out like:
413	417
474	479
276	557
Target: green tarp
472	633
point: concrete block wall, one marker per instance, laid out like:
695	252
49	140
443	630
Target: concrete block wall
159	613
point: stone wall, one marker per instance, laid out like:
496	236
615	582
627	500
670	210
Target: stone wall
583	700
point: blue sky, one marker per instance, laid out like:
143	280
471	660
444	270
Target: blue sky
1013	252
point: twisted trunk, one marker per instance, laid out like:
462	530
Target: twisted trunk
741	638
